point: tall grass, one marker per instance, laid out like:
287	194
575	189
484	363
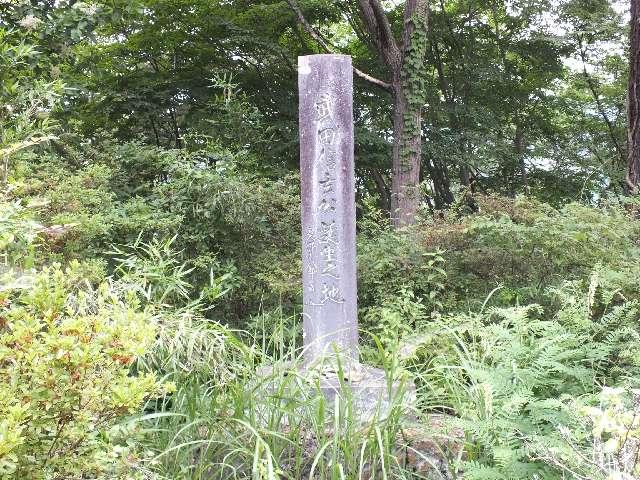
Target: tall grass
229	419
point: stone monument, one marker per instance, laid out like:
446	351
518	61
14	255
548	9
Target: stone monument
330	322
330	315
328	207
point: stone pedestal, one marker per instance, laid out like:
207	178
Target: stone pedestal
371	394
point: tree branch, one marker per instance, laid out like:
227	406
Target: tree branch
377	82
377	24
325	46
594	92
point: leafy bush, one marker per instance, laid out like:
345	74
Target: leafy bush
26	100
188	348
604	443
18	233
396	318
252	224
525	247
66	356
153	270
222	219
400	284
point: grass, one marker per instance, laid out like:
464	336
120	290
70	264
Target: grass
493	389
227	421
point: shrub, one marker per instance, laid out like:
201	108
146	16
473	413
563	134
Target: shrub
605	441
400	283
525	247
66	356
18	233
223	219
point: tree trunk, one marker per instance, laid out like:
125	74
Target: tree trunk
464	175
437	171
519	149
383	190
633	132
407	148
409	97
442	195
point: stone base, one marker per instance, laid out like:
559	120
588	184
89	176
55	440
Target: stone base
369	391
427	446
372	393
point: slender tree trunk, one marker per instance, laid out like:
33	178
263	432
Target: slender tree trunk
155	131
442	195
406	159
519	150
593	88
441	183
633	112
383	190
465	177
176	129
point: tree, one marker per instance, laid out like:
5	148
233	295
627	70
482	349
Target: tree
594	94
406	63
633	111
404	60
506	114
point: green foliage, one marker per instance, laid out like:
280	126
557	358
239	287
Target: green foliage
96	192
26	102
155	142
18	234
66	353
395	318
510	377
230	223
270	423
75	203
604	443
225	228
191	350
399	282
523	247
153	271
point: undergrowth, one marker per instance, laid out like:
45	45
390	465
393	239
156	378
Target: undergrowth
504	389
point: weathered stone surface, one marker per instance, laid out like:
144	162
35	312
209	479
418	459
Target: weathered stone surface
331	362
372	393
325	85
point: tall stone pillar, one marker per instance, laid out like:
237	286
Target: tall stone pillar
325	85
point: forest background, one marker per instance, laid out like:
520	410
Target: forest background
150	238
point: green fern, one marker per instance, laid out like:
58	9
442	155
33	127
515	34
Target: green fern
510	376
